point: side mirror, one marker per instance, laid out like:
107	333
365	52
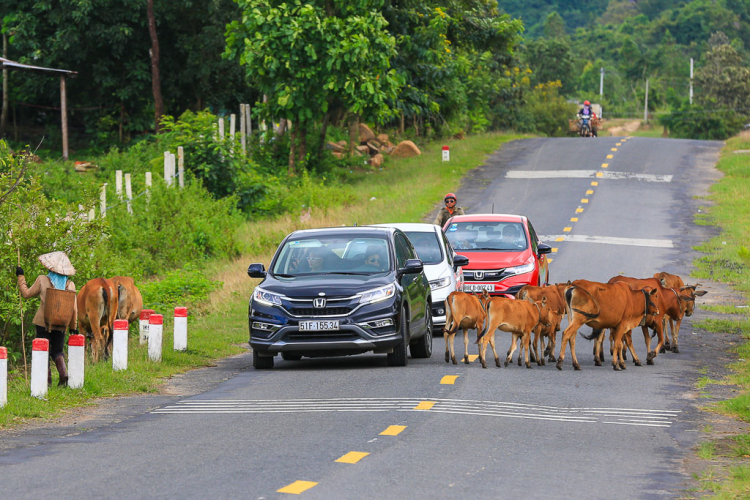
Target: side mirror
413	266
543	249
460	261
256	271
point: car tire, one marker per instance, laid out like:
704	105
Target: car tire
290	356
262	362
422	348
399	357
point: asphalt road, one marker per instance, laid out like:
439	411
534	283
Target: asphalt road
490	433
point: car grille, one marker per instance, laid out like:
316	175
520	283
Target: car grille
324	311
317	336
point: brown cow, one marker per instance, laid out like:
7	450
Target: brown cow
519	317
556	304
675	283
604	305
680	303
129	302
97	310
465	311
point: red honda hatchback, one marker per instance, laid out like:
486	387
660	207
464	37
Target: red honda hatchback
504	252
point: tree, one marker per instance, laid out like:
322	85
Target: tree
305	56
551	60
724	79
155	79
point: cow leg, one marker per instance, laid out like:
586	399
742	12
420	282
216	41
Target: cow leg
512	349
494	352
629	345
616	339
466	346
483	353
446	338
569	332
664	322
660	336
551	344
675	334
526	338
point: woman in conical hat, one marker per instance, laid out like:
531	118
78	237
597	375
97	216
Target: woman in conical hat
59	270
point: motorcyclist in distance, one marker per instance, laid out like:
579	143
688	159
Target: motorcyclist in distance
588	112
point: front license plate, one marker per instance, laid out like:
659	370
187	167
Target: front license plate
318	326
468	287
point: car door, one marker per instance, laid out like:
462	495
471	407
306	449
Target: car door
458	274
409	282
542	262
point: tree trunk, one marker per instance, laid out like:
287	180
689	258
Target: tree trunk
155	79
301	142
323	130
4	115
282	128
292	152
402	122
353	133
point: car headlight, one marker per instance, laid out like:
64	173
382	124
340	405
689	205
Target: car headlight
268	298
378	294
526	268
440	283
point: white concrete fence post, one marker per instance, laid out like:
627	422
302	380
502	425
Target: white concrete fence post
118	183
129	193
155	325
148	187
120	345
145	314
3	376
243	129
103	200
167	161
76	355
181	166
39	366
180	329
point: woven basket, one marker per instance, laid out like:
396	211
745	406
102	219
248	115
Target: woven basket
573	125
59	308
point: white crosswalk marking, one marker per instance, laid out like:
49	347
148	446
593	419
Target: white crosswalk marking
608	240
502	409
584	174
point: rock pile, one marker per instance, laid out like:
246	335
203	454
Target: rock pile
374	147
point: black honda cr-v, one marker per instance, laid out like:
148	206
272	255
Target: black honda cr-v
341	291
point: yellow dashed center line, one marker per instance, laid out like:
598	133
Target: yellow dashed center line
473	357
618	144
579	210
559	239
393	430
599	174
585	200
352	457
605	165
448	380
609	157
567	229
425	405
613	149
297	487
574	219
549	260
594	183
554	250
589	191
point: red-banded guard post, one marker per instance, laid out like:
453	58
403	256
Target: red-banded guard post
76	356
180	328
3	376
155	325
143	320
120	345
39	366
446	153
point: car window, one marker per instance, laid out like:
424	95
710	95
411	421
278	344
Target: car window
487	235
427	246
333	254
534	238
448	248
402	252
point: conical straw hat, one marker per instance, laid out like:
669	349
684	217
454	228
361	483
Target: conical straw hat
57	262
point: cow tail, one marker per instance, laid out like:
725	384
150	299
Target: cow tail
569	307
594	334
449	329
485	325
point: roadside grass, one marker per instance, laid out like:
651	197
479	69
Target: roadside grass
650	130
726	258
706	450
403	191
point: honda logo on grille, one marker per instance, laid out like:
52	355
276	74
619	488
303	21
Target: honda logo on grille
479	275
319	303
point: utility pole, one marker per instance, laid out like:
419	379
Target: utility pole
691	81
601	83
645	105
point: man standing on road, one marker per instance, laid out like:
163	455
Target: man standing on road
449	210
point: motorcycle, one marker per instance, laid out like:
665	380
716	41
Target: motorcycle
585	127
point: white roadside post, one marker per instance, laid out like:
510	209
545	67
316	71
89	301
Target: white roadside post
155	325
446	153
39	366
181	166
103	200
148	187
129	193
76	354
167	177
3	376
143	320
120	345
180	328
243	130
118	183
172	168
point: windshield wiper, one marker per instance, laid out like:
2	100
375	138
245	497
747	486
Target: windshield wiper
286	275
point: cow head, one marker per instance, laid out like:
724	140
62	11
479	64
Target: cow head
651	294
669	280
544	311
687	298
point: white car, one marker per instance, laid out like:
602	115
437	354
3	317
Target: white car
442	265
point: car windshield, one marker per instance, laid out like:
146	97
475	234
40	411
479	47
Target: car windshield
427	246
501	236
347	254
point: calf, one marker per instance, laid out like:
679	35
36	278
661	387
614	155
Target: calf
605	305
129	300
465	311
97	310
519	317
687	296
556	304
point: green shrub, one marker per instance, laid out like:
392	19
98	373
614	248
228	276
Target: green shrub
186	287
698	122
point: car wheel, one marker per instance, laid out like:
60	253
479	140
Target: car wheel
262	362
422	348
289	356
398	357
